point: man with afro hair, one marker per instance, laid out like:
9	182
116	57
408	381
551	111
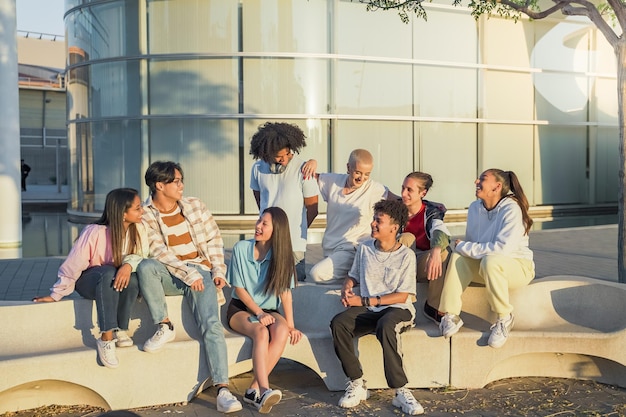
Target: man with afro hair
276	180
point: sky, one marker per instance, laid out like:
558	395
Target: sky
42	16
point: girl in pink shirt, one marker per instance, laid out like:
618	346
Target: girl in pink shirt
101	266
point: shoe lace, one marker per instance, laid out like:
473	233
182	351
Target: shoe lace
407	396
352	388
107	348
499	328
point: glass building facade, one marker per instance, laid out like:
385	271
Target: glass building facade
191	81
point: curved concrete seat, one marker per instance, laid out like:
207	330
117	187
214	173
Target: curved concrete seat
51	348
565	326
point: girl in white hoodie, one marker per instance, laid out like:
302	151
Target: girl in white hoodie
494	252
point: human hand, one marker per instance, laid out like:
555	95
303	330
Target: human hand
434	267
220	283
197	285
294	335
122	277
308	169
346	293
44	299
266	319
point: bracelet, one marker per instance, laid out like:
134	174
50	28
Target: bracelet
378	301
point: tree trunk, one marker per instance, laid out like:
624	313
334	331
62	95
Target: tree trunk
620	52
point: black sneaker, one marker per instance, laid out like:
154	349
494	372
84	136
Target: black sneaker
432	313
251	396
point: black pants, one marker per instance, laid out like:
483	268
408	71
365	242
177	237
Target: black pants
388	324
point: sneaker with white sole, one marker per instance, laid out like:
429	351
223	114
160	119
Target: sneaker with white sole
356	392
500	331
404	399
106	353
122	339
165	333
227	402
450	324
269	399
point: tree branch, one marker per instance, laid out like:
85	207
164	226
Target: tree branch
591	12
532	13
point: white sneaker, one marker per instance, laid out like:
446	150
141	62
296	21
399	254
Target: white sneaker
500	331
404	399
355	393
270	398
227	402
450	324
122	339
163	335
106	353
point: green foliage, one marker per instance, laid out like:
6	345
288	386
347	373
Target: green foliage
405	8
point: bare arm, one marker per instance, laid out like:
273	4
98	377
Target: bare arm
311	209
257	197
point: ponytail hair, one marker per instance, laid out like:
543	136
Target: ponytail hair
512	188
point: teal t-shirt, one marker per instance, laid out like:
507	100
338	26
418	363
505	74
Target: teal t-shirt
246	272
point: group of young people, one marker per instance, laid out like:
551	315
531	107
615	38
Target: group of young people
374	240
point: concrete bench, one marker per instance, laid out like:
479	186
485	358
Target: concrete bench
565	326
48	354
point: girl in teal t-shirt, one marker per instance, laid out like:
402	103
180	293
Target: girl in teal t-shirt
262	274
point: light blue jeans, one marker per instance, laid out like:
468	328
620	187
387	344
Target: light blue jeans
155	282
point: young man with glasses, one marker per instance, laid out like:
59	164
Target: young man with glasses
188	253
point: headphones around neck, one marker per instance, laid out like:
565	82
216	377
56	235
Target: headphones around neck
277	168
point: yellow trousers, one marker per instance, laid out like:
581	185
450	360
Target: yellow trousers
499	273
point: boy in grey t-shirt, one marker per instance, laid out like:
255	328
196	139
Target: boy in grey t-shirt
385	271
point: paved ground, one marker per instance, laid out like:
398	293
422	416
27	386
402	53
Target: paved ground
587	251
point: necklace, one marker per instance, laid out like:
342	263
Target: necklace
388	252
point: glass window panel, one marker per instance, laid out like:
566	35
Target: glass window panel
285	26
504	42
208	26
446	92
447	151
359	32
508	147
77	93
606	167
286	86
208	153
108	156
561	45
500	87
115	89
561	165
105	30
316	132
389	142
561	97
374	88
458	45
198	86
605	109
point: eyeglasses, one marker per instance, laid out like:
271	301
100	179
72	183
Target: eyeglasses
178	181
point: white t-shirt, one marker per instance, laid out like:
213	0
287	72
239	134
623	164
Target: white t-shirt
286	190
348	216
380	273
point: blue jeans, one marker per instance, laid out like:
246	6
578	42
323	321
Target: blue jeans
156	282
113	307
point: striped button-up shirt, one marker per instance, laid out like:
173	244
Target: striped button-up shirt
204	233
